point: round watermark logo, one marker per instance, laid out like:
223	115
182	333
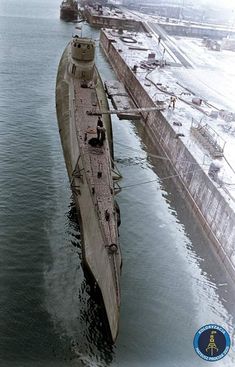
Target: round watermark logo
211	342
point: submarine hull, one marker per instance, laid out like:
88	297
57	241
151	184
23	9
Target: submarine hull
93	195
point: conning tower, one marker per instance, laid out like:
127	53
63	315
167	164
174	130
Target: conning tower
82	64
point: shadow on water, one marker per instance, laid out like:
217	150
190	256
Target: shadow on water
94	321
74	227
95	341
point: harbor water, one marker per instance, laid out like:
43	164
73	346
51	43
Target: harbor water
172	280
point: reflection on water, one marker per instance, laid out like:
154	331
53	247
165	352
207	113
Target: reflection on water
171	256
200	248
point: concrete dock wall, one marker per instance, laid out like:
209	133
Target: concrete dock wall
211	207
195	31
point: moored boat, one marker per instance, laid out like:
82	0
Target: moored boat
69	9
87	147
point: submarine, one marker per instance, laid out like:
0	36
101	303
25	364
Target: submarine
87	142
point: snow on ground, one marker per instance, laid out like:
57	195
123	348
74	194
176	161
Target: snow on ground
211	78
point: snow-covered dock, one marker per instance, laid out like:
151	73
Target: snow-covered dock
196	126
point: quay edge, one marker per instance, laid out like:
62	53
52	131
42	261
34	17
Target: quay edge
211	208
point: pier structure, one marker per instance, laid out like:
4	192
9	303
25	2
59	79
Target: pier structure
194	29
102	16
195	134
